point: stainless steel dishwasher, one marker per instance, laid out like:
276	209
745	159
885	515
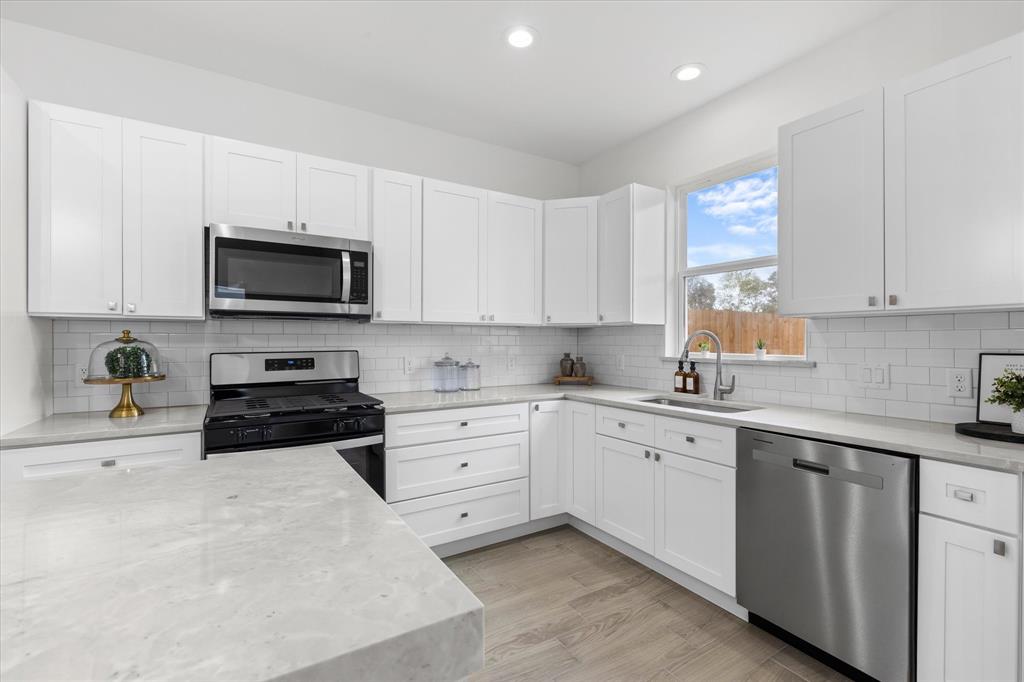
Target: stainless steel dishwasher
826	538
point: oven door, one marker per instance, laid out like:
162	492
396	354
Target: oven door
366	456
255	272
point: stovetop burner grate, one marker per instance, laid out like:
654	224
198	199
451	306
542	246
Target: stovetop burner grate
269	405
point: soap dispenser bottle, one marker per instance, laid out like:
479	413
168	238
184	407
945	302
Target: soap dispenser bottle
692	381
680	378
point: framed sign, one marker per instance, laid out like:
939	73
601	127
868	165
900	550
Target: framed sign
992	365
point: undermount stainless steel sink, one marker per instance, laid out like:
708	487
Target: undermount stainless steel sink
694	405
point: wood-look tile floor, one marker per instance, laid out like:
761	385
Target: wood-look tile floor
561	606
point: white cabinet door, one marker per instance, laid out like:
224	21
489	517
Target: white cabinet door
695	518
397	246
249	184
615	256
332	197
548	475
454	252
163	221
578	433
625	492
831	210
647	297
74	212
967	623
954	182
514	259
570	261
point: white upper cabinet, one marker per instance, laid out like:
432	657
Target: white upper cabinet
74	212
454	252
249	184
548	474
163	221
514	259
570	261
397	246
631	256
954	183
332	197
831	212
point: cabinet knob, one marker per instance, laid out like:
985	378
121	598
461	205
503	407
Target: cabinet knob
536	408
378	314
999	547
691	439
302	226
600	318
657	457
549	318
622	425
291	225
491	318
483	318
131	307
892	299
463	515
872	301
463	465
463	423
108	463
111	305
647	454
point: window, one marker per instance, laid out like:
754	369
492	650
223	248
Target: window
728	282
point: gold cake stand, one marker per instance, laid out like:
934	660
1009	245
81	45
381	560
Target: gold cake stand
127	407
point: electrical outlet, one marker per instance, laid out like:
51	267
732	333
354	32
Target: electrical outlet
510	363
622	362
959	383
407	365
82	371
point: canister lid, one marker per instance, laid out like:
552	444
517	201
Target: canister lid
446	361
469	363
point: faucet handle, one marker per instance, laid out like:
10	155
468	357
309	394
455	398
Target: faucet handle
732	386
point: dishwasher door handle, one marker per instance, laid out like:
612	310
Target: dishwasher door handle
813	467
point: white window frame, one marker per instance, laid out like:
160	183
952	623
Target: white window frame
676	322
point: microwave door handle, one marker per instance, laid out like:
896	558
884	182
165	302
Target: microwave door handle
346	276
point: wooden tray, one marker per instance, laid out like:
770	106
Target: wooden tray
991	431
582	381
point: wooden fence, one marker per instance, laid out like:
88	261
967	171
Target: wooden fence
739	330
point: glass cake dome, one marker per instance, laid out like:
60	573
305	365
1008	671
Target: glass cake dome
125	358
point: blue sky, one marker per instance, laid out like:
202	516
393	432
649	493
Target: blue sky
733	220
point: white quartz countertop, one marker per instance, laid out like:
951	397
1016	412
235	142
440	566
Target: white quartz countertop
77	427
926	439
279	564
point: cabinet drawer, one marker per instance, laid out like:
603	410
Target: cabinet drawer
977	496
464	513
637	427
80	458
442	467
704	441
416	428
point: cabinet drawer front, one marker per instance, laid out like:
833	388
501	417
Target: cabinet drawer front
704	441
416	428
637	427
442	467
452	516
93	456
978	496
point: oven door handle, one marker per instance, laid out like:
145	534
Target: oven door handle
353	443
346	276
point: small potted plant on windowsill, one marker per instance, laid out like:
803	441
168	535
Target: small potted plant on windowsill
760	348
1008	389
704	347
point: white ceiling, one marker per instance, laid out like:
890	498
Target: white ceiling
598	74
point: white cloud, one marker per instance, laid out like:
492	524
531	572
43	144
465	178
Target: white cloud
750	195
742	230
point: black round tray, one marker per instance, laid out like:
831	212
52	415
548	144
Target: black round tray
990	431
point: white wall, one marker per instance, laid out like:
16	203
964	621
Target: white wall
744	122
25	343
67	70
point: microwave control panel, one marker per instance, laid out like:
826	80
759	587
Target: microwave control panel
360	291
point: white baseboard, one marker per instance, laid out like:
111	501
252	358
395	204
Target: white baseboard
495	536
719	599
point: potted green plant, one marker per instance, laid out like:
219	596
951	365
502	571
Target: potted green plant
1008	389
704	347
760	348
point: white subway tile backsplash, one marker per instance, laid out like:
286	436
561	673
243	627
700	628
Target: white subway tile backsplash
1007	339
982	320
846	324
930	322
885	323
934	357
865	339
956	339
916	339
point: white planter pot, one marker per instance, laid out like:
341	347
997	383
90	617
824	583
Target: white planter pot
759	353
1017	422
705	353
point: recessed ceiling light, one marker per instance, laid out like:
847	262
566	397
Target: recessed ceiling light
687	72
520	36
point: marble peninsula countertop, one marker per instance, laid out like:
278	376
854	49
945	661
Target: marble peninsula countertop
273	565
930	440
78	427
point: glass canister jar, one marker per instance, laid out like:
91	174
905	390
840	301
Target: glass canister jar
469	376
446	375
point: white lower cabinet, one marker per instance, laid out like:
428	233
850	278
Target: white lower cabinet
695	518
49	461
438	519
548	465
579	446
625	492
968	596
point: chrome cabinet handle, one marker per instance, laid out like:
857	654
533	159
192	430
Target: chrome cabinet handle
600	318
999	547
691	439
647	454
892	299
464	465
108	463
483	318
291	225
536	408
131	307
549	318
303	226
378	314
964	495
491	318
872	301
463	515
657	457
111	305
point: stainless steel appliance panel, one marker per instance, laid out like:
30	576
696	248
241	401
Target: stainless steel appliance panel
825	547
230	369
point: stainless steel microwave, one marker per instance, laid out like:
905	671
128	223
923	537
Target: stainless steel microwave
274	273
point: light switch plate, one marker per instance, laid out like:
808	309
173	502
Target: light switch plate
873	375
511	362
959	383
407	365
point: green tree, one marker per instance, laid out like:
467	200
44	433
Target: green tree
700	293
744	290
